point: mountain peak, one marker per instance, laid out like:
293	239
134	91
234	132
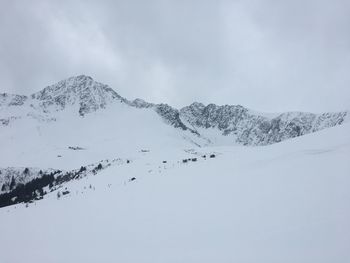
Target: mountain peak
72	85
82	77
80	90
140	103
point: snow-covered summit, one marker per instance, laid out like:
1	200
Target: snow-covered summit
81	90
140	103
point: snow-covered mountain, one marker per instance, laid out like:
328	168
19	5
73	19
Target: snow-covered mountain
81	95
252	128
81	91
89	176
79	122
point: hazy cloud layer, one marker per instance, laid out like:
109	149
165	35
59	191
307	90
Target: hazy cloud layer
268	55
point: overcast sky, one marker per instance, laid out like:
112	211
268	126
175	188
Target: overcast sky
267	55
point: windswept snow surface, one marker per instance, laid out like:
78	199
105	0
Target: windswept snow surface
116	132
286	202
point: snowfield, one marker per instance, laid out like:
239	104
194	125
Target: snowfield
286	202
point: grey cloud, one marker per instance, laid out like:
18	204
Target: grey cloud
267	55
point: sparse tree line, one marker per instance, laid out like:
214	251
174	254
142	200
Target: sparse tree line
26	192
34	189
195	159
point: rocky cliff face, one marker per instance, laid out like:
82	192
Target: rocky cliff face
7	100
169	114
250	128
234	121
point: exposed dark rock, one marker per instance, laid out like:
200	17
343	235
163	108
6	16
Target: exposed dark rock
250	128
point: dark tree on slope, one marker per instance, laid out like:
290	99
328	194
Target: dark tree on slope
26	192
13	183
41	191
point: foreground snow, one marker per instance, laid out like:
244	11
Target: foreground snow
287	202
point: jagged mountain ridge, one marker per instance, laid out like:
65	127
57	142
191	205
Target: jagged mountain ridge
250	128
243	125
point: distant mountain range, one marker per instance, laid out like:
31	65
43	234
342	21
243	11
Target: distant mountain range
236	124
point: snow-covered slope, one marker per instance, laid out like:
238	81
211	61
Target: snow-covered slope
114	132
286	202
